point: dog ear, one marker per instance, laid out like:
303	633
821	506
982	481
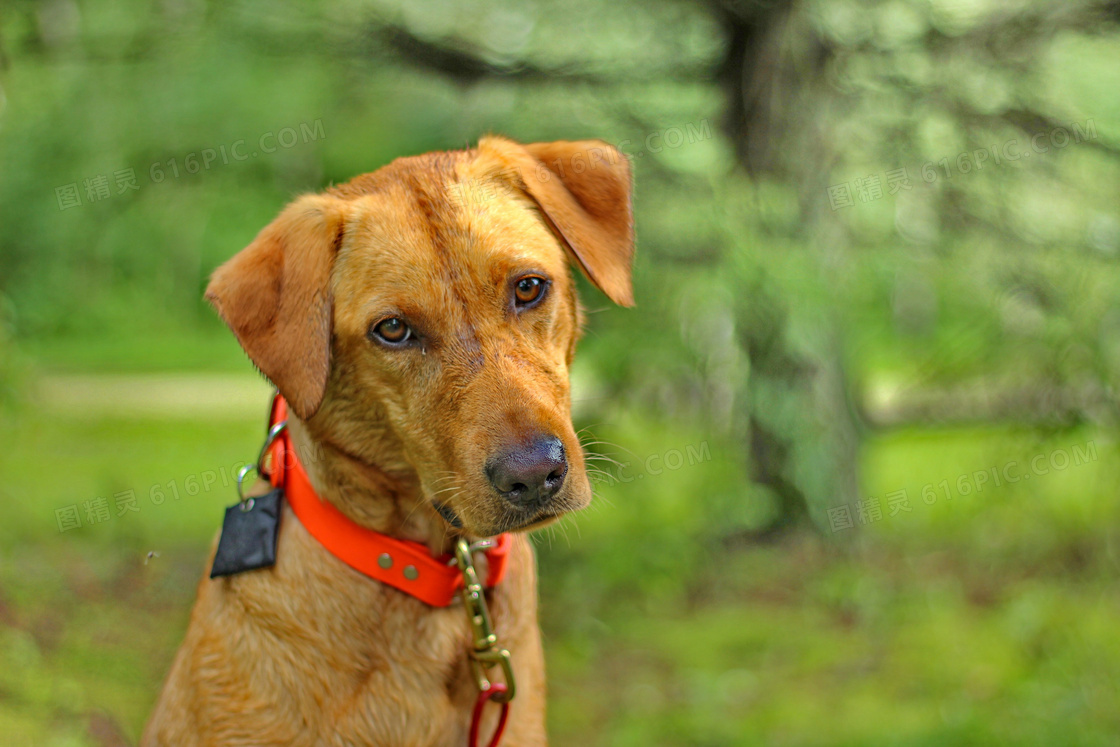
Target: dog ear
275	296
583	189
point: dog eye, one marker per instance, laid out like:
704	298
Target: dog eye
529	289
392	330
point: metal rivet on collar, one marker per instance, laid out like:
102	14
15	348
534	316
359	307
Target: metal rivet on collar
411	573
385	560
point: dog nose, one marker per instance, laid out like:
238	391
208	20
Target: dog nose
530	475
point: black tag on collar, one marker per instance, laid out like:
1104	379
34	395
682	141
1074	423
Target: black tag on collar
248	538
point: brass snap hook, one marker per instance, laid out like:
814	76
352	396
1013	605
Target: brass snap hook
484	650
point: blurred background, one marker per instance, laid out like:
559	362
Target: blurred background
863	419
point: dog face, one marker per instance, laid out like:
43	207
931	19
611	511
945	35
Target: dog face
421	319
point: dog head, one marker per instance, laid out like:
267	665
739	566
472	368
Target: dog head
422	319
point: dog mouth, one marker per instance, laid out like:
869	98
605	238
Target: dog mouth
511	522
533	522
448	514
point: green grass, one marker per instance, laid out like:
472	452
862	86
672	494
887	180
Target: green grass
114	350
841	648
981	619
179	473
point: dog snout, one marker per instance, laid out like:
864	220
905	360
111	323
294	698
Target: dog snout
532	475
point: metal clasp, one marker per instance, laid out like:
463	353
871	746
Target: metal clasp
258	467
485	653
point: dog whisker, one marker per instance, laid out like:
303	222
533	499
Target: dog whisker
428	503
587	444
598	475
602	458
562	526
411	511
604	442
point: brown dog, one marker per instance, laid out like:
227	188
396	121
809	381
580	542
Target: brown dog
420	322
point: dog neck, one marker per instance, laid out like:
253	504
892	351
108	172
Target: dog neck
373	496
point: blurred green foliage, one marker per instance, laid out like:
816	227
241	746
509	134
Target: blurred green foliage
820	354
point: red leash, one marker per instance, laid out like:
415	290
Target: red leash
495	688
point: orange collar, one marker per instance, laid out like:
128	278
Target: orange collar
399	563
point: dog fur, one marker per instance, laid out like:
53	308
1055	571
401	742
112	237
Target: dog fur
310	652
